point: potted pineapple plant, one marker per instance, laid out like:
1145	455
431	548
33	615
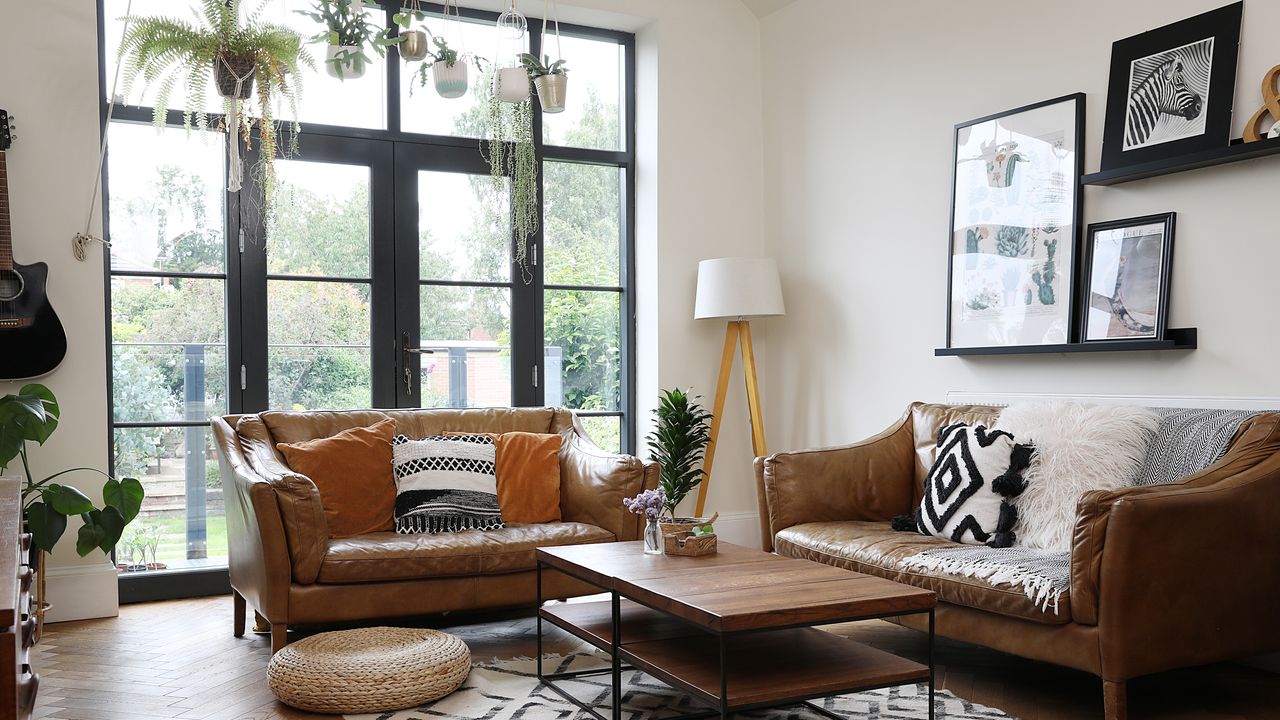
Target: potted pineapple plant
247	58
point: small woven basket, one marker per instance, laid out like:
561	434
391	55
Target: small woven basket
368	670
683	525
686	543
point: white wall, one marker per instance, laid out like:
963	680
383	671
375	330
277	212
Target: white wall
50	85
700	191
859	106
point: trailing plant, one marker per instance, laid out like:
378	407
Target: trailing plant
31	416
677	444
347	26
508	147
170	53
539	68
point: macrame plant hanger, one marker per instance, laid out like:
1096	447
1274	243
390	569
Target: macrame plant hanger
554	5
235	166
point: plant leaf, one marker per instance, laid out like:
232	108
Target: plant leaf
125	496
66	499
91	535
47	525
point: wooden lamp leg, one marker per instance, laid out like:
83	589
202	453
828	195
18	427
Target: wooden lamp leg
753	392
722	389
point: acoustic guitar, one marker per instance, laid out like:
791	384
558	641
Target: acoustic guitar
32	342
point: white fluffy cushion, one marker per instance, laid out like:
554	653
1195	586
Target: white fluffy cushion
1079	447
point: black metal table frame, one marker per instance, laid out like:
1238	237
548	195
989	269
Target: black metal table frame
616	666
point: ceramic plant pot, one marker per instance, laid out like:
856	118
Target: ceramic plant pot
551	92
511	85
344	62
413	45
451	80
228	71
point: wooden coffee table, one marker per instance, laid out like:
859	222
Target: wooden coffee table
735	629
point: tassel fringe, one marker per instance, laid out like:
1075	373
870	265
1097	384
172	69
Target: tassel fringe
1039	589
446	523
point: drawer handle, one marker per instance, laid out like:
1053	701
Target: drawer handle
28	684
24	578
28	632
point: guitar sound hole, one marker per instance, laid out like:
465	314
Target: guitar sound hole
11	285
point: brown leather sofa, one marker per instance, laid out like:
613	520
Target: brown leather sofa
1162	576
285	565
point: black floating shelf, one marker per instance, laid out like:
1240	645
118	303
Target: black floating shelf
1178	339
1238	150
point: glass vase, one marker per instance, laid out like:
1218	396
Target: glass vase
652	537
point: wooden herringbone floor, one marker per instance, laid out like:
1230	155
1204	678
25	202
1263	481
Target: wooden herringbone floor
178	660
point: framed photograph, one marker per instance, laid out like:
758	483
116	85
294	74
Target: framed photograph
1171	89
1015	219
1126	279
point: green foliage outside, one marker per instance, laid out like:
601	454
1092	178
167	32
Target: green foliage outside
314	235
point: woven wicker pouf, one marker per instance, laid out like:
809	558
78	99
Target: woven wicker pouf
368	670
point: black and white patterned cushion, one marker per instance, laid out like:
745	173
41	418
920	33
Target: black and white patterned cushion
445	483
975	474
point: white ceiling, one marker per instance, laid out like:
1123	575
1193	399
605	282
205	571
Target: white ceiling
764	7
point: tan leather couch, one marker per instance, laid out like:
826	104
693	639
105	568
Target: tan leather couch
1162	576
285	565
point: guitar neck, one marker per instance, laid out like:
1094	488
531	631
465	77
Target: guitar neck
6	235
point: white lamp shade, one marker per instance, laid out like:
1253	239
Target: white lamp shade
739	287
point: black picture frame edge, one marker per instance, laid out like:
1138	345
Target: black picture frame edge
1217	133
1170	221
1073	329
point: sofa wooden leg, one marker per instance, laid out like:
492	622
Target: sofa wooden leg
1115	704
279	637
260	624
238	612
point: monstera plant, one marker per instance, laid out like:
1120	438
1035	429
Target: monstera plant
31	416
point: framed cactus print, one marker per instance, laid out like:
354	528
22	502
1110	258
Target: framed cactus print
1015	224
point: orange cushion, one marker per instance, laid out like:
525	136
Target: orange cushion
528	469
352	471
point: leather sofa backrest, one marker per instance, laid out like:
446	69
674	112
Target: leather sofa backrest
292	427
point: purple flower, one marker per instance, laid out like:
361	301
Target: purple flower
648	503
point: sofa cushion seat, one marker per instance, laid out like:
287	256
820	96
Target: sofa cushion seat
388	556
875	548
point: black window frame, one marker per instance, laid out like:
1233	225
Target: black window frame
245	342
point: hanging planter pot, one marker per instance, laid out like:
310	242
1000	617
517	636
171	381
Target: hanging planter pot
511	84
344	62
451	80
234	76
414	45
551	92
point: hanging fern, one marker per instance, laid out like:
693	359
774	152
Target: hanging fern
171	54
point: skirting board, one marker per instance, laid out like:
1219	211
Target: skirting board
739	528
80	592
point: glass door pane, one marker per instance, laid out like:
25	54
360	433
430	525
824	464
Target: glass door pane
319	286
464	291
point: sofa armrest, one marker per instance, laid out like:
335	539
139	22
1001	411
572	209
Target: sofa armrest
594	482
1256	442
258	554
869	480
1188	577
305	527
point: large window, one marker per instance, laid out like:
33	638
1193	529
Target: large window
382	277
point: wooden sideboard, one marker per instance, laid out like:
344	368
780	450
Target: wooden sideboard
17	623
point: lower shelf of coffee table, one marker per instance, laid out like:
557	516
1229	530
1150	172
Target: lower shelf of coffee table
764	668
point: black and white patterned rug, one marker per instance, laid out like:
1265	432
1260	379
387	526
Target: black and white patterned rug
509	690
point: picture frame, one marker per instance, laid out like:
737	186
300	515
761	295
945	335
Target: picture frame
1171	89
1124	284
1015	226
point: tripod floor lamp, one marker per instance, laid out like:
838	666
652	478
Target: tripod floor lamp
736	290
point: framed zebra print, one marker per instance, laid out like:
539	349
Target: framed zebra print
1015	220
1171	89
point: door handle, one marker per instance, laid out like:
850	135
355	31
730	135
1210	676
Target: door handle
409	352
